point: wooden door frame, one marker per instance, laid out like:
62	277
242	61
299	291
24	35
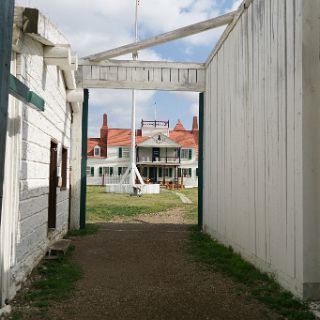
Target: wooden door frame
52	196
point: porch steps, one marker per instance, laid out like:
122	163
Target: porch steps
57	248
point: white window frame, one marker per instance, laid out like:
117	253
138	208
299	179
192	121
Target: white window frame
94	151
184	154
125	153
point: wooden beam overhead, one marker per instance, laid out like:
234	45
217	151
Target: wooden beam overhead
143	75
142	64
166	37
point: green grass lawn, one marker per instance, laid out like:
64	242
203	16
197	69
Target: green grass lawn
191	209
260	285
102	206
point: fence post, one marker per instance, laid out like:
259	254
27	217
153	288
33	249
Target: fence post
83	198
6	24
200	161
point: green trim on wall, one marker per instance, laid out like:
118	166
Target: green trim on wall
36	101
200	161
20	91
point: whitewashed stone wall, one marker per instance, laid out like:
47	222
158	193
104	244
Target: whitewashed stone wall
38	129
261	141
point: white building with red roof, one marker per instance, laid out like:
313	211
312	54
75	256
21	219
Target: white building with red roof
163	155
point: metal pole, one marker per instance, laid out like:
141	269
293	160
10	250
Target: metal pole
133	112
133	139
6	24
132	169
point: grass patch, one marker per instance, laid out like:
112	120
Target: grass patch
55	280
89	229
102	206
191	210
261	285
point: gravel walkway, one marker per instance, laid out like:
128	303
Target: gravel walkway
142	271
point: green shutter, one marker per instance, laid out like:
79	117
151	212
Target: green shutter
119	171
190	172
120	152
100	171
170	172
92	171
190	154
111	171
160	172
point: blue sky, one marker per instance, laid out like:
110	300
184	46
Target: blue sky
97	25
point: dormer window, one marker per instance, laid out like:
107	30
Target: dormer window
97	151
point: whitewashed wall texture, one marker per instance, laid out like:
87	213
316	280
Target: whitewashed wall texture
261	152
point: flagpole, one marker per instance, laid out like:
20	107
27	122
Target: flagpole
133	168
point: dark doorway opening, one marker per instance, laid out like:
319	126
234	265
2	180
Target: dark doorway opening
52	210
153	174
155	154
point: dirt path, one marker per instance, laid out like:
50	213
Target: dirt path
142	271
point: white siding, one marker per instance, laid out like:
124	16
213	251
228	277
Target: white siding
261	181
38	128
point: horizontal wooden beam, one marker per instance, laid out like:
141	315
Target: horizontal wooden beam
20	91
143	75
37	26
142	64
166	37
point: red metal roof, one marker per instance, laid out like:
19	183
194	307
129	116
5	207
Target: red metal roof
179	126
122	138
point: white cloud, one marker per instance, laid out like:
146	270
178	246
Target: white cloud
97	25
118	105
236	4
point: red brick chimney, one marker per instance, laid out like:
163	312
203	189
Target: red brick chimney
104	136
195	128
195	124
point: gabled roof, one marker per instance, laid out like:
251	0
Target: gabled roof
158	140
179	126
178	137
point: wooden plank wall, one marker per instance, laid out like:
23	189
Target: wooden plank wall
253	140
142	75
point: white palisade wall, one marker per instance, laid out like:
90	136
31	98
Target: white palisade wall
38	129
261	141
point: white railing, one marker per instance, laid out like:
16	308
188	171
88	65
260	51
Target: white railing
115	179
159	160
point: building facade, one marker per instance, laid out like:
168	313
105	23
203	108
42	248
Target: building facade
43	142
162	155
